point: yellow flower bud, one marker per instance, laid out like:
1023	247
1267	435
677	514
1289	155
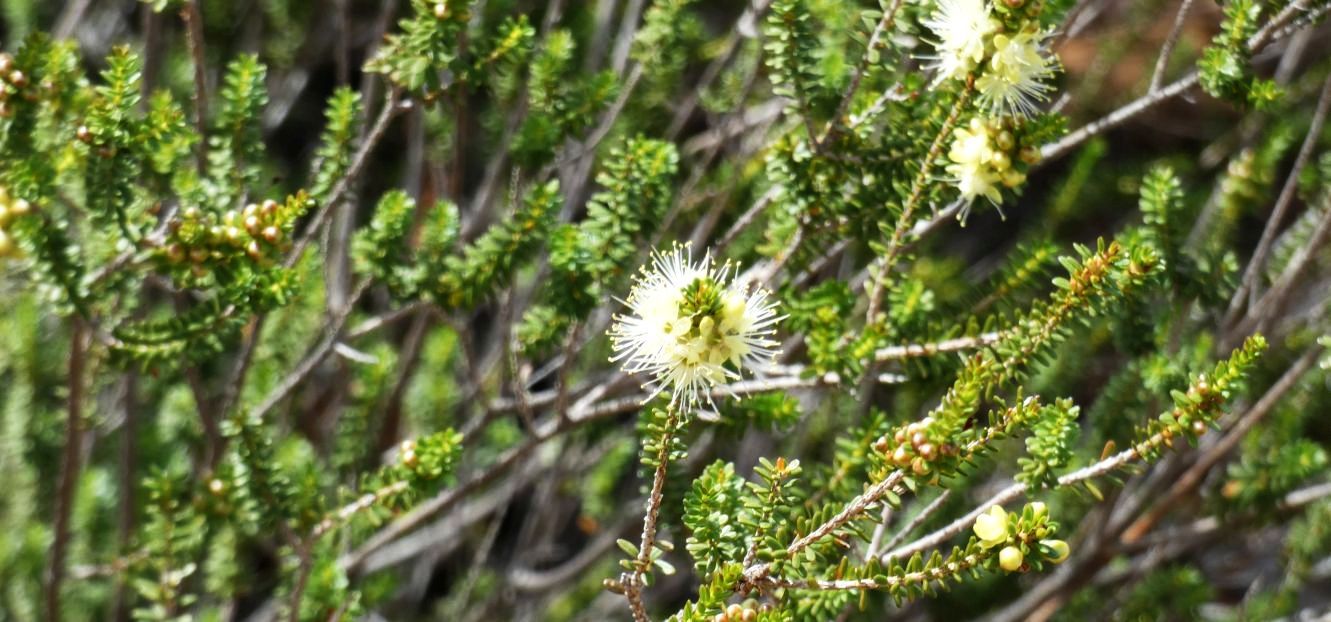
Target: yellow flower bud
1013	178
991	527
706	326
1058	548
1010	558
1039	509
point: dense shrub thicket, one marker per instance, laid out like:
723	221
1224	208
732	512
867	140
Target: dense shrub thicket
720	311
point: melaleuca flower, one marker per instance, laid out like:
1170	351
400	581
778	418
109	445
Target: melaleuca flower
961	27
1013	80
979	167
693	327
972	170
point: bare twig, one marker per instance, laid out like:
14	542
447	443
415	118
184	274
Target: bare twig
69	466
1118	117
924	515
193	17
918	350
317	354
877	43
1246	292
1167	49
1273	302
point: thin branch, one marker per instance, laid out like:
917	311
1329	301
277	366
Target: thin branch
1014	491
915	523
1272	303
919	350
193	17
1247	287
583	412
633	583
533	581
877	43
1118	117
906	219
1167	49
317	354
350	510
343	185
70	18
69	466
391	317
1192	478
1281	25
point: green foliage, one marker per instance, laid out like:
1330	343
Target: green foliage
1224	66
236	150
487	262
791	46
767	508
333	157
1260	481
1161	205
822	313
564	101
711	513
113	128
173	532
1051	443
419	56
587	260
1102	277
381	248
1177	593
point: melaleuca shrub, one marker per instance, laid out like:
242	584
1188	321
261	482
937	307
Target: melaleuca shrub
717	311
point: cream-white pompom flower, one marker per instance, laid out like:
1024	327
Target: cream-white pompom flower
692	327
961	28
1013	82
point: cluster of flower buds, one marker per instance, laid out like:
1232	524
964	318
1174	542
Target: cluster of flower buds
982	160
11	208
197	237
1188	422
911	446
406	454
1020	534
736	612
12	80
